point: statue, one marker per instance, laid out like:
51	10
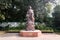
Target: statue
30	19
30	27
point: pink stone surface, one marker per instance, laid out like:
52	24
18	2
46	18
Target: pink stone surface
35	33
44	36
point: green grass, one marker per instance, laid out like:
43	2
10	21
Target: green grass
47	31
13	31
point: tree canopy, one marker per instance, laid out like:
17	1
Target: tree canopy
15	10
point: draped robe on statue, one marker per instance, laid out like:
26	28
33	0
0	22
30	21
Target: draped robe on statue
30	19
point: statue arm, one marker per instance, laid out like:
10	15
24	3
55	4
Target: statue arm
33	17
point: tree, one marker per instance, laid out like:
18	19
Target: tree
56	16
12	10
15	10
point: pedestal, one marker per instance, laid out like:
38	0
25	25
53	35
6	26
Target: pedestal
34	33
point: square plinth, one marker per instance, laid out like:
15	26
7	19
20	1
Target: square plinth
34	33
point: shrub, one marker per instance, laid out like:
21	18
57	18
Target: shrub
1	28
19	27
6	28
42	27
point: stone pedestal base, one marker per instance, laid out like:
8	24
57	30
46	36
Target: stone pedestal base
34	33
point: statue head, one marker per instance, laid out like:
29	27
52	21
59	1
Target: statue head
29	7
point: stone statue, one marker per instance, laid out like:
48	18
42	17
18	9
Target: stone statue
30	19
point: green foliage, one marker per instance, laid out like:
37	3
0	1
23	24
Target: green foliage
2	28
48	7
15	10
56	16
43	27
19	27
57	8
6	28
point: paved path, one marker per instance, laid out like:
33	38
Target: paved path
44	36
